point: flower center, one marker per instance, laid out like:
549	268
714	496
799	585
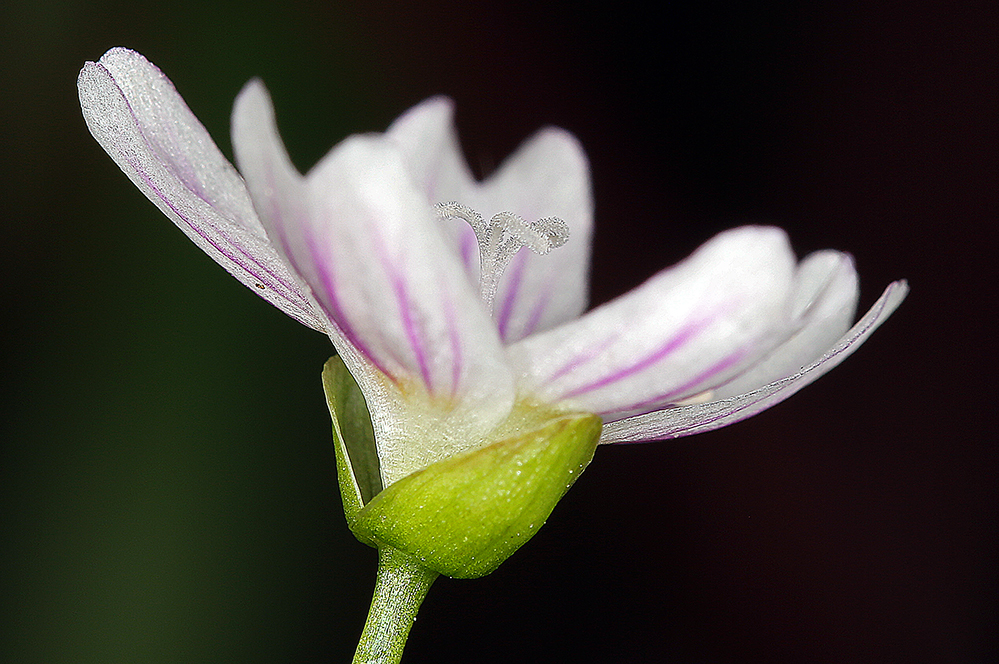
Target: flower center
501	238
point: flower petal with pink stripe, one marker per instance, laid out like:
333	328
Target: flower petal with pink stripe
357	248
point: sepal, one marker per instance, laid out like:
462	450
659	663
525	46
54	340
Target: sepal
353	440
465	515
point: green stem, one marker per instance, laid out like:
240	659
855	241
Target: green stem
401	585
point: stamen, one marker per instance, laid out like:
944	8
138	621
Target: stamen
502	238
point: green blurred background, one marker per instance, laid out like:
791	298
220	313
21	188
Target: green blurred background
168	489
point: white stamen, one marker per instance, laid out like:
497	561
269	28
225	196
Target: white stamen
502	238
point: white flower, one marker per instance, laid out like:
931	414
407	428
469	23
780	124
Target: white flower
448	355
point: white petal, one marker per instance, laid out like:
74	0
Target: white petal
686	420
825	303
548	176
137	116
378	261
687	329
429	143
427	137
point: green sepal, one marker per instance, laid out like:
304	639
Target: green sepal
465	515
353	439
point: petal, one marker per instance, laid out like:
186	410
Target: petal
686	420
687	329
136	115
426	136
548	176
378	262
825	303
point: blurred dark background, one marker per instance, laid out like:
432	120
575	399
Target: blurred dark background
167	488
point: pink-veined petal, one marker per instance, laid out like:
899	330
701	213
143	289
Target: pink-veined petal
687	329
548	176
378	261
825	296
686	420
138	117
428	139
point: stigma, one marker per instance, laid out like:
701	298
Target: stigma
501	238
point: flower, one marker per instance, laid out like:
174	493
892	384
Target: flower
454	329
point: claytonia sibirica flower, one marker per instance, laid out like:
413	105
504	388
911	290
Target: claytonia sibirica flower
458	306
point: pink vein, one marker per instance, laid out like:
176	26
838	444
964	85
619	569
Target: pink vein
324	266
537	311
583	358
289	289
513	282
405	308
686	334
681	392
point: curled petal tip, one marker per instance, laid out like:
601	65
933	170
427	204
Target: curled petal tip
697	418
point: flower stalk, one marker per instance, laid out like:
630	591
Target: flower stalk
400	587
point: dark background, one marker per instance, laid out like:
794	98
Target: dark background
167	487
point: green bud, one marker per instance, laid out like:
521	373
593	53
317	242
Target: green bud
465	515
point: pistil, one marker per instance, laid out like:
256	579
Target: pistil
501	238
